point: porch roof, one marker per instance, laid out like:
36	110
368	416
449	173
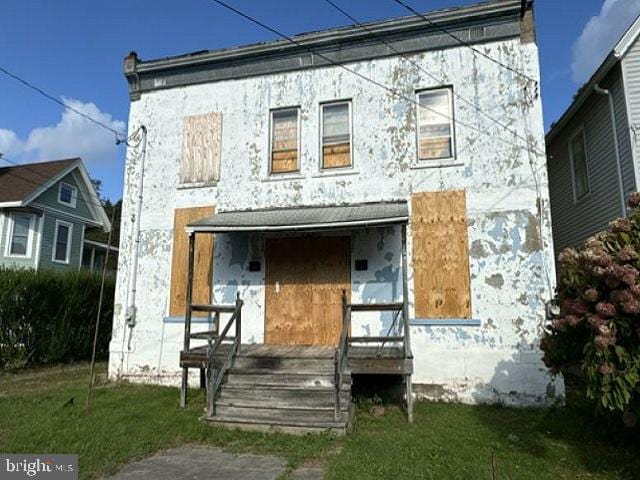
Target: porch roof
304	218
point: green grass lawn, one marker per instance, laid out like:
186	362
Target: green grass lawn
445	442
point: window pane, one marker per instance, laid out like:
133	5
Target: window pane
66	194
284	141
62	241
434	120
20	237
579	159
336	141
335	126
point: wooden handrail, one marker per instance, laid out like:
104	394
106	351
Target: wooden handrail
214	379
375	307
341	354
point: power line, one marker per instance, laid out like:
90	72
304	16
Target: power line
415	64
465	43
120	137
355	72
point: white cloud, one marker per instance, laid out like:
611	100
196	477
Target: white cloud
600	35
75	136
10	144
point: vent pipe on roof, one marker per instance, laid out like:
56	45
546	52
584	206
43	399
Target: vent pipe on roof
603	91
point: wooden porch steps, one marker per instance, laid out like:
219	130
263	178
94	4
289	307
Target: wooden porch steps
289	389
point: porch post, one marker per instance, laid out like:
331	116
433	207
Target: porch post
405	316
187	319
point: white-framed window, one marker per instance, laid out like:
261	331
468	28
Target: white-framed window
578	160
436	136
62	242
67	194
20	235
284	141
335	134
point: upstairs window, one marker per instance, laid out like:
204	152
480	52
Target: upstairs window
20	236
201	149
435	124
62	242
285	144
336	135
67	194
579	171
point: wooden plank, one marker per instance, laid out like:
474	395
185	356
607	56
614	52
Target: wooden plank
336	156
440	255
284	161
201	147
305	277
380	366
202	278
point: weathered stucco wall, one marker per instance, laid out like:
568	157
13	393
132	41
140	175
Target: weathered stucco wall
508	209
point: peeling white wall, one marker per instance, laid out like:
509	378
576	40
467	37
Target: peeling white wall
510	243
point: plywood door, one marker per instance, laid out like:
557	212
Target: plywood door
305	278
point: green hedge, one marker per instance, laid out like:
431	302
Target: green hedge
48	316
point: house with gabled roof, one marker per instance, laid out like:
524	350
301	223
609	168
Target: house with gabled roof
594	147
46	209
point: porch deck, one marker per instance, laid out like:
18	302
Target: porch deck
361	359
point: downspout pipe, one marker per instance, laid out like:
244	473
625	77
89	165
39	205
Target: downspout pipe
130	314
603	91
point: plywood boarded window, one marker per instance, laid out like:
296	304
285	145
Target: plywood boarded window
285	151
201	146
435	124
336	135
203	261
440	255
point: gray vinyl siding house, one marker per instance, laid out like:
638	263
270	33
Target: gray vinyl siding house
604	116
45	210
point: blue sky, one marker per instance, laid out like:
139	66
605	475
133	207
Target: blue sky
74	49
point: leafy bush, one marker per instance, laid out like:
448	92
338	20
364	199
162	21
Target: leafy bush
49	316
598	327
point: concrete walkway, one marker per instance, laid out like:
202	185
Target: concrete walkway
205	463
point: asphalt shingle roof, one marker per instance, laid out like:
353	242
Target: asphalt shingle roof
18	182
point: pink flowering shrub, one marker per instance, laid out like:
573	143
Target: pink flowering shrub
598	327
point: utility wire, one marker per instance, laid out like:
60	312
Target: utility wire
424	70
465	43
392	90
120	137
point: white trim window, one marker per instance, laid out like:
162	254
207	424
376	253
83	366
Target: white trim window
62	242
67	194
335	135
20	235
435	124
579	168
284	141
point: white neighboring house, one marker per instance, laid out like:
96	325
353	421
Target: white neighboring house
301	179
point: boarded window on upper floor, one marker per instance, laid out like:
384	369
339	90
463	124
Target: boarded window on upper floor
579	170
285	150
336	135
201	148
435	125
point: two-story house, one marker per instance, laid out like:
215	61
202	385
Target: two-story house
355	201
45	211
593	149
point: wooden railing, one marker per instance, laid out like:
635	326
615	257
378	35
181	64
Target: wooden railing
216	375
346	339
